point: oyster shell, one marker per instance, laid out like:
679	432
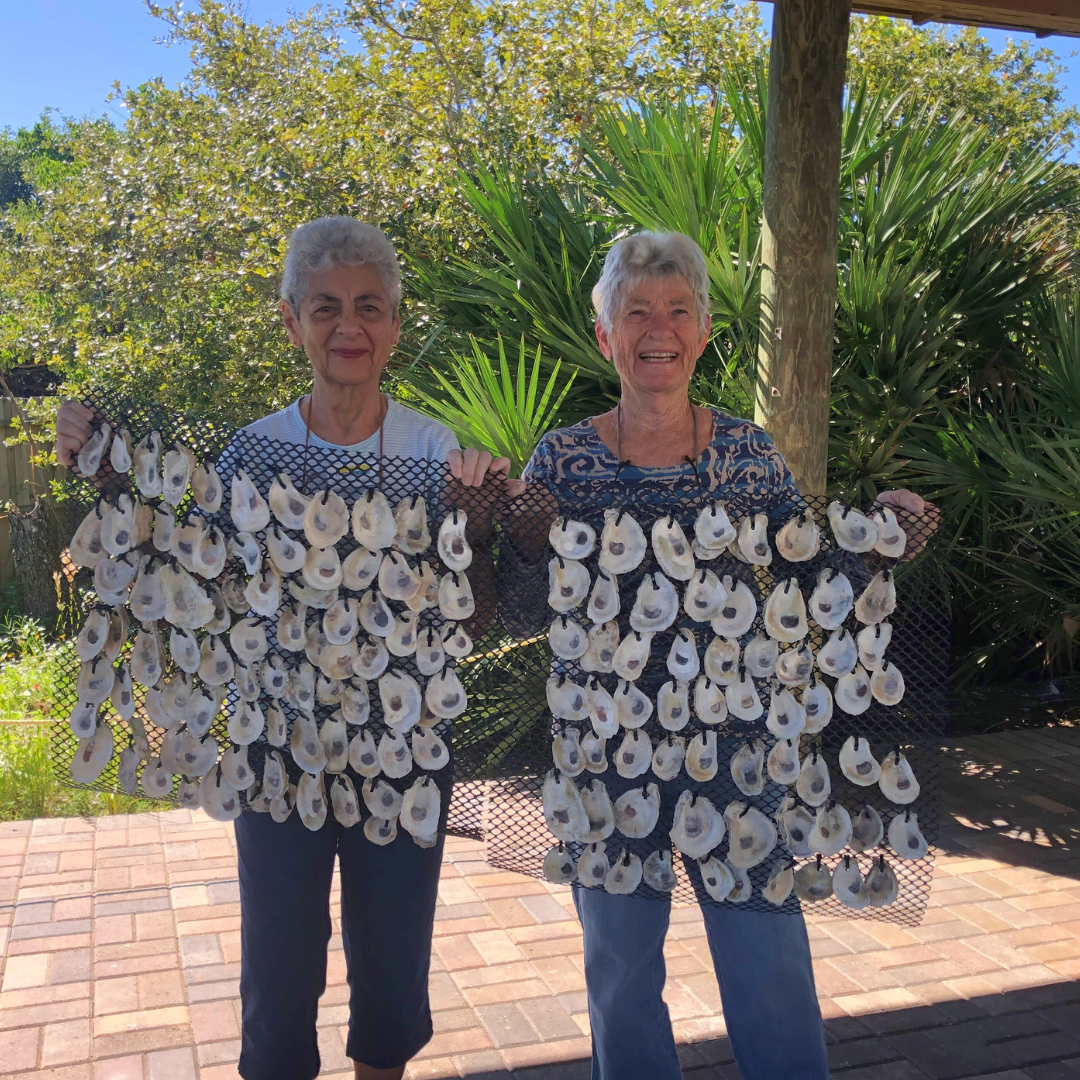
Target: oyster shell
456	642
710	701
637	811
832	599
572	539
563	810
373	524
622	543
632	655
248	508
340	621
381	831
322	569
360	569
673	705
881	884
813	882
307	749
206	487
814	784
301	692
625	876
717	878
672	549
217	798
454	549
363	754
857	763
838	656
722	660
176	470
410	520
785	612
742	698
372	659
401	641
867	830
276	725
795	666
800	539
311	801
599	813
248	641
287	555
704	596
147	459
559	867
118	527
795	823
668	757
287	504
567	638
401	700
780	883
697	826
566	752
375	615
147	598
872	641
246	724
852	692
634	755
760	656
244	547
592	867
632	706
146	658
892	540
83	719
428	749
853	531
567	699
738	611
344	802
91	637
335	739
445	696
783	762
382	800
682	660
356	703
658	872
656	605
121	450
604	603
905	836
456	600
878	599
887	684
897	780
427	596
397	579
713	529
600	654
753	539
747	768
832	830
568	584
235	769
113	576
751	835
210	553
86	548
786	718
394	756
89	458
602	709
122	698
848	885
701	763
595	750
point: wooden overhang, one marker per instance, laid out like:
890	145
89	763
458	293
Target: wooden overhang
1041	17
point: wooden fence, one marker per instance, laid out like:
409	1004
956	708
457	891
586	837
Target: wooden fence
15	484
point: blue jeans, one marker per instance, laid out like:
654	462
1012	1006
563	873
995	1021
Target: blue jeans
766	980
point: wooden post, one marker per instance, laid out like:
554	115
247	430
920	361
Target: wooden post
798	237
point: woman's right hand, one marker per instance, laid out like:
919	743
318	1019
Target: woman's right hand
72	430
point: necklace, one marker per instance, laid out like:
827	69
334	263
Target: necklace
691	461
384	402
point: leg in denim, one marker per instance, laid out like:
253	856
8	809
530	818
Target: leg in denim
624	973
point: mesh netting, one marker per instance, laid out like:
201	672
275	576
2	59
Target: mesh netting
501	745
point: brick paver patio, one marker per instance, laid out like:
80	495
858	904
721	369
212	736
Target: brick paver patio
120	947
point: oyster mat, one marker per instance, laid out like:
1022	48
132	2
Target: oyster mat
505	741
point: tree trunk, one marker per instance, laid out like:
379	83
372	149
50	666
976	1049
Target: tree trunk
36	545
799	231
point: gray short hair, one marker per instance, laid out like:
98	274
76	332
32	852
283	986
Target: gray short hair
650	255
338	241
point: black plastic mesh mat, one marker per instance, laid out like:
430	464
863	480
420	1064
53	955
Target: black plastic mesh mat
502	744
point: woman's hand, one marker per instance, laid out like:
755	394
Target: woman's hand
73	428
472	467
923	518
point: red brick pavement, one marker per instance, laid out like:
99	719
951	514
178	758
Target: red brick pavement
120	950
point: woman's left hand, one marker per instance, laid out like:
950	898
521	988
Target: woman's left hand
472	467
924	516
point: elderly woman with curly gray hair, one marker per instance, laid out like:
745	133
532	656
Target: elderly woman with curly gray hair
652	324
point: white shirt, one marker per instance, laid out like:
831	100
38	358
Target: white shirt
406	433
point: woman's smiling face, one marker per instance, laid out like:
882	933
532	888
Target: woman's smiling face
347	325
655	338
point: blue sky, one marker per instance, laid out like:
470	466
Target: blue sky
66	54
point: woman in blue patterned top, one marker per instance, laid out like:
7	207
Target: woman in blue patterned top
652	323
